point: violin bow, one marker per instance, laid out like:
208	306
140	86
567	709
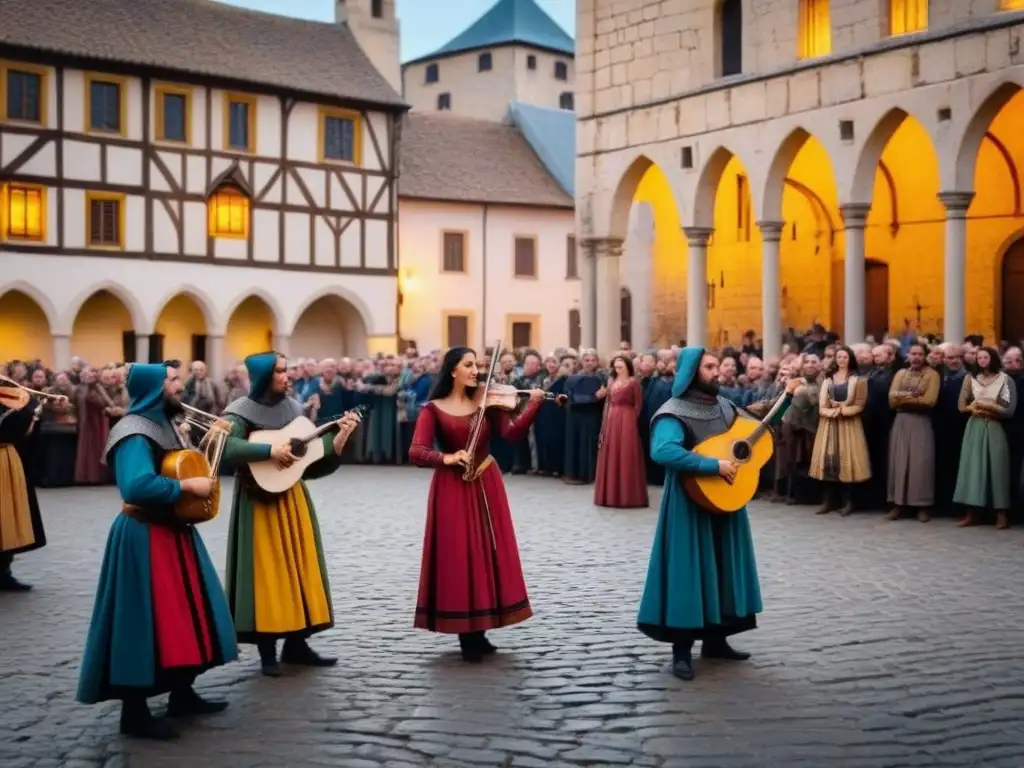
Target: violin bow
474	434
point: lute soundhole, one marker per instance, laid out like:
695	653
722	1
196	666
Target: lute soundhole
741	451
298	448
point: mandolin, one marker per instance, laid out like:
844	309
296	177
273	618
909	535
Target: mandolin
304	437
747	442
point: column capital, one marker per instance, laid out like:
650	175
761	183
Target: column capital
855	215
698	236
771	231
602	246
956	203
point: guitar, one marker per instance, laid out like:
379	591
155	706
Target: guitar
748	443
304	437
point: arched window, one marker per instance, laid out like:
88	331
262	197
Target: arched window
814	36
906	16
228	212
730	31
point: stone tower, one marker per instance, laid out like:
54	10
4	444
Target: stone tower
375	27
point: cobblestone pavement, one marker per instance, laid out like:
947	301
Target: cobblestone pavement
882	644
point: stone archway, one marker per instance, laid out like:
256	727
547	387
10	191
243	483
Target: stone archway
25	332
1012	321
331	327
103	331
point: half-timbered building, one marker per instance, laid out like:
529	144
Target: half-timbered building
183	178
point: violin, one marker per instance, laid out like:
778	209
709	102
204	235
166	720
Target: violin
506	397
14	396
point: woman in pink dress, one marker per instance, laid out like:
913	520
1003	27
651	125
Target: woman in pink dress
621	478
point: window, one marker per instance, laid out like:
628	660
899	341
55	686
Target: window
456	331
433	74
814	36
173	113
454	256
906	16
340	140
730	27
228	213
561	70
377	9
531	62
484	63
743	213
104	220
575	329
525	257
444	102
565	101
25	89
24	212
571	261
522	335
105	106
239	122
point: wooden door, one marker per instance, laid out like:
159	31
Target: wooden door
1013	294
876	299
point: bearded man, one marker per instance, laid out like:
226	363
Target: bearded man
160	616
702	579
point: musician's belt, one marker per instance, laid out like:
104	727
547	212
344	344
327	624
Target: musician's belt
481	467
153	515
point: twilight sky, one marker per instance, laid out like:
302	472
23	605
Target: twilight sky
425	24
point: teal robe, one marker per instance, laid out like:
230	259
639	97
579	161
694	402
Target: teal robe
702	579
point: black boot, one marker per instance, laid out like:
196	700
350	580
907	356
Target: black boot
847	494
472	651
485	645
7	581
185	701
719	648
297	651
682	660
138	721
268	658
828	502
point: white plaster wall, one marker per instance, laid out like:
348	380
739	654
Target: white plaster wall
487	296
145	287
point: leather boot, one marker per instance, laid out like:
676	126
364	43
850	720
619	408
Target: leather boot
924	515
682	660
894	514
829	502
184	701
138	721
847	507
967	520
719	648
486	648
1002	520
7	581
268	658
469	644
297	651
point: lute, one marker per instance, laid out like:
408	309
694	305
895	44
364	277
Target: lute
304	437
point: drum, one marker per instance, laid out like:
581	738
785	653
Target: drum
185	464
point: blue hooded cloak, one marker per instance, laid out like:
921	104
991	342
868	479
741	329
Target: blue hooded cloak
702	577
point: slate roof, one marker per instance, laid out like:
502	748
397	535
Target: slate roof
552	134
202	37
460	159
509	22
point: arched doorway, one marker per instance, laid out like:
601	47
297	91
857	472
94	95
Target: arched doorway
250	330
103	331
24	330
329	327
180	332
1013	290
876	297
626	313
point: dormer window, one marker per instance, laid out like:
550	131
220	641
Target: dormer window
432	73
377	9
565	101
561	70
484	63
444	102
531	62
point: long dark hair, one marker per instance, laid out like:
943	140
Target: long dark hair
851	366
625	361
445	383
995	363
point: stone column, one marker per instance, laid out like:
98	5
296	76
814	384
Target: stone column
588	294
142	348
283	344
697	285
609	295
854	219
954	313
637	266
215	356
61	352
771	287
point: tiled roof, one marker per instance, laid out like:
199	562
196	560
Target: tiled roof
459	159
552	134
509	22
201	37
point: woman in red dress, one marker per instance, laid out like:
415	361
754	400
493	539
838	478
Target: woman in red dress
621	480
471	579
